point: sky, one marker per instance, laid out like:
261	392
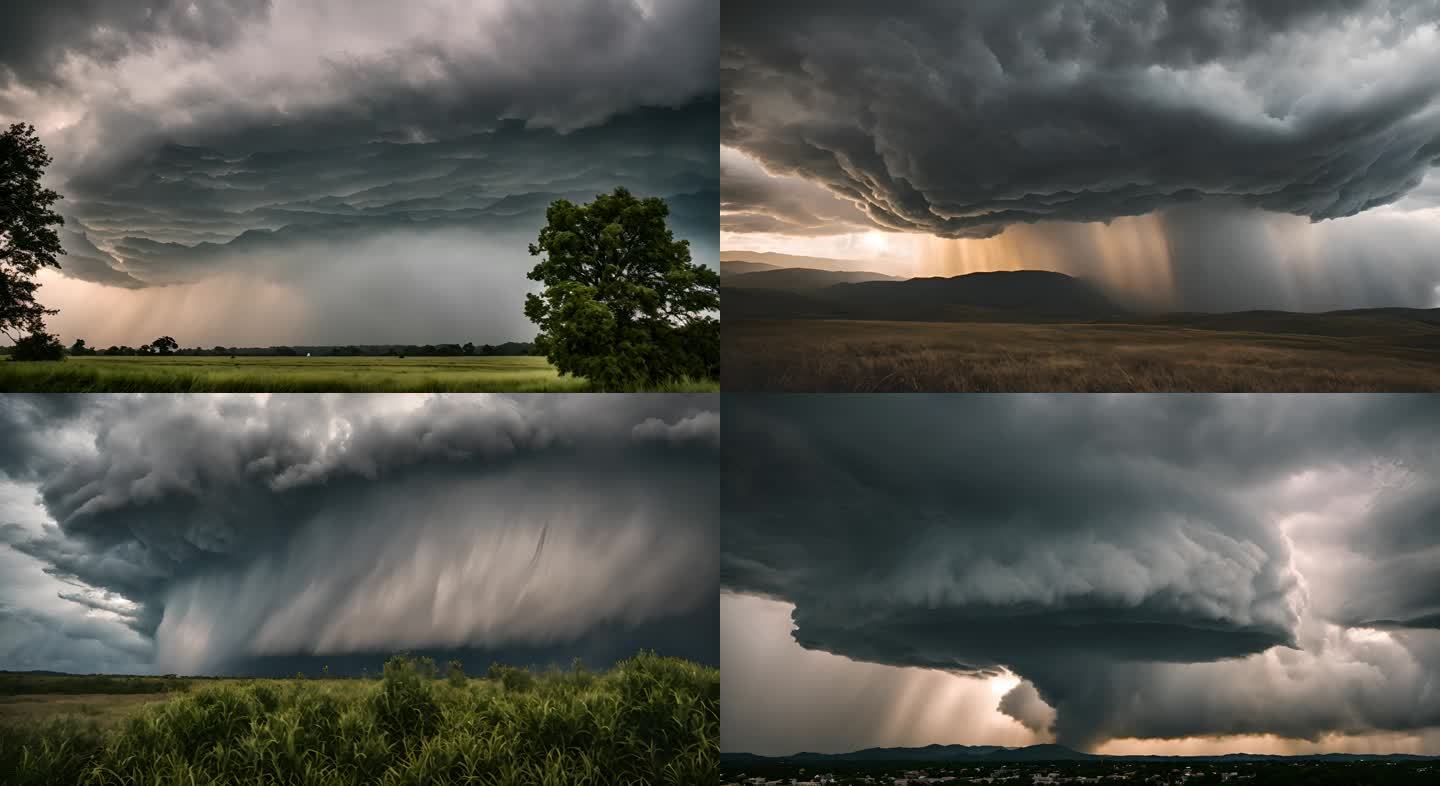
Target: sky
1120	574
258	172
1184	154
238	534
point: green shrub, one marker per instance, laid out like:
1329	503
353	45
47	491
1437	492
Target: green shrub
38	346
455	673
512	678
650	720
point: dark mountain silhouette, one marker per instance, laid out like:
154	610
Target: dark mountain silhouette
1031	753
1032	293
1038	753
739	267
800	278
777	260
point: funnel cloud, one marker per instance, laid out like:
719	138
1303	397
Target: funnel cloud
1131	567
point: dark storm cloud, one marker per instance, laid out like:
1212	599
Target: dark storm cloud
1104	548
299	148
325	525
959	119
37	35
180	213
751	200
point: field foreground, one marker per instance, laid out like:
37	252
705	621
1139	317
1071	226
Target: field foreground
864	356
274	374
649	720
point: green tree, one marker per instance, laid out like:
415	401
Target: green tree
28	240
623	304
164	345
38	345
79	348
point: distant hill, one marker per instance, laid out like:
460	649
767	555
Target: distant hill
1416	327
800	278
1037	296
1032	753
1027	292
739	267
773	259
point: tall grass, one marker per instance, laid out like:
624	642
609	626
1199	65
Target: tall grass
185	374
650	720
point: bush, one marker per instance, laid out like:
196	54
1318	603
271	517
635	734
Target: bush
511	678
38	346
455	673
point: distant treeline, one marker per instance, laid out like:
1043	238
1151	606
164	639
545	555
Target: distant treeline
166	346
20	683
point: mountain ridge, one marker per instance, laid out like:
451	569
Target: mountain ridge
1034	753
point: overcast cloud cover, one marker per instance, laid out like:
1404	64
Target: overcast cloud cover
968	120
1149	566
340	166
215	534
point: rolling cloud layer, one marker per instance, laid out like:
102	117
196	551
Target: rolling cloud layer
315	145
1218	155
199	533
1150	567
960	119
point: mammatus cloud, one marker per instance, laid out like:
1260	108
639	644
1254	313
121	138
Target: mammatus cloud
1150	567
962	119
220	528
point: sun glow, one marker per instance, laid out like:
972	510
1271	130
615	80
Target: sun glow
1003	684
1129	257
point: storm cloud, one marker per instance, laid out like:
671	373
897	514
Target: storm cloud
1148	566
198	534
310	146
961	119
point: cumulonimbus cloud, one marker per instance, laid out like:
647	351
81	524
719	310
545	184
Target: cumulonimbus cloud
227	527
1119	554
959	119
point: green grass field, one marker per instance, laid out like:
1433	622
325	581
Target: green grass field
1228	353
180	374
650	720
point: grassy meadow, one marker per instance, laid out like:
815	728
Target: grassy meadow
214	374
1230	353
649	720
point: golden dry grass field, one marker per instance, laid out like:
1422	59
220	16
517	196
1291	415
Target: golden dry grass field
872	356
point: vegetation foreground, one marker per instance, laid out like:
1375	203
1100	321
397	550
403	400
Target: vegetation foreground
189	374
650	720
1006	357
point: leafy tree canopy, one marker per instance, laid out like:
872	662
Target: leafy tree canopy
623	304
28	239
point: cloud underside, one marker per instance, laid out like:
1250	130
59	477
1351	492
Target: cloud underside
213	532
281	141
962	119
1153	567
